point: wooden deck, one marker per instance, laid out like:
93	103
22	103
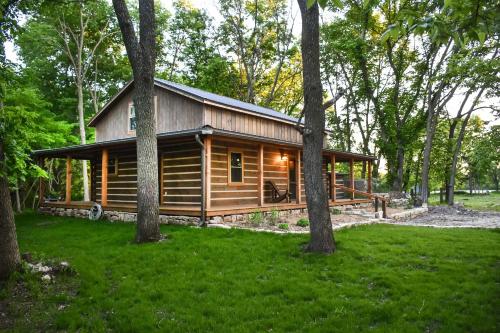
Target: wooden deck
195	210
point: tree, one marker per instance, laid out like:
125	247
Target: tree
314	128
142	55
257	34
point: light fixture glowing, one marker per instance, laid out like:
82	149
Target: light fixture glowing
283	156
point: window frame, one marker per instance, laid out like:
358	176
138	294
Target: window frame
129	108
130	104
230	151
115	166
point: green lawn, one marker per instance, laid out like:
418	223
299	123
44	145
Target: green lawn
476	201
383	278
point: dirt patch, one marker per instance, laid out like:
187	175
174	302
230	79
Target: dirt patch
456	217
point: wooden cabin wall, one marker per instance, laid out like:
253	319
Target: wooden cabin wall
248	124
223	194
181	173
174	113
122	188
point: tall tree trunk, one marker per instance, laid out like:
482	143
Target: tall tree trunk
9	250
317	200
83	138
142	56
397	184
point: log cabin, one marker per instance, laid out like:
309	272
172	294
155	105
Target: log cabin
217	156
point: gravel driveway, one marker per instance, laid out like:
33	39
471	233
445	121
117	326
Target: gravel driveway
455	217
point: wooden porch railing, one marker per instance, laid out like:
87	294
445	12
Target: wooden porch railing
377	198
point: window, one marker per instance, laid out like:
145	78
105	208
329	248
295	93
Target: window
113	167
132	120
132	123
235	166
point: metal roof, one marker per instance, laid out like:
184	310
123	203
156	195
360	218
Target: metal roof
227	101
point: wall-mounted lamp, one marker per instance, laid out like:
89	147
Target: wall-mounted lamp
283	156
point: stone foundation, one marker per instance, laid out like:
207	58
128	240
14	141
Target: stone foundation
116	216
246	217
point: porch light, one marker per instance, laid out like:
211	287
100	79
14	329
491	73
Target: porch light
283	156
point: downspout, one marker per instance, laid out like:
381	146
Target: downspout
203	167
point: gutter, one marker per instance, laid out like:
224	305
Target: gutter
203	186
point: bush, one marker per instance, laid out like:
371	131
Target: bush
303	222
283	226
256	218
336	211
274	216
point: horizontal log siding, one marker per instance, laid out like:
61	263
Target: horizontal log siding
181	174
247	124
122	188
223	194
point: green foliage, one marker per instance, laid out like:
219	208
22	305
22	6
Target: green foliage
283	226
274	216
484	202
154	287
335	211
256	218
26	124
303	222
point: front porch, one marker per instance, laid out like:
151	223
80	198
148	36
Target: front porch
113	182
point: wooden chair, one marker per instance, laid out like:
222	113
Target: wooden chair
278	195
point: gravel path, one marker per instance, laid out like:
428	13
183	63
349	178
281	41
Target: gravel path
455	217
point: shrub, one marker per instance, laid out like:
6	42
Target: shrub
256	218
283	226
336	211
274	216
303	222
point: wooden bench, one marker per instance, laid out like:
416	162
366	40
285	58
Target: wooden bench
278	195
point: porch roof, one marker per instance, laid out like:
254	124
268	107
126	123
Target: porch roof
93	150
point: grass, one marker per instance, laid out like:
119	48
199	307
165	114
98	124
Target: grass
383	278
476	201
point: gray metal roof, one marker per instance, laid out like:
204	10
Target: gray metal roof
227	101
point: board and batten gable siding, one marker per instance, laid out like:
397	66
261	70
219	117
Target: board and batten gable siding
240	122
174	113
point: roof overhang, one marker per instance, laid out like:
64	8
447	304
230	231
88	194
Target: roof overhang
93	150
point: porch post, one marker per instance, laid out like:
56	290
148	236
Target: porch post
104	178
351	176
68	180
333	178
298	185
93	180
260	180
369	177
208	171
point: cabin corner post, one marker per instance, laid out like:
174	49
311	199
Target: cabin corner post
104	178
68	180
208	172
333	180
369	177
260	180
351	176
298	167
